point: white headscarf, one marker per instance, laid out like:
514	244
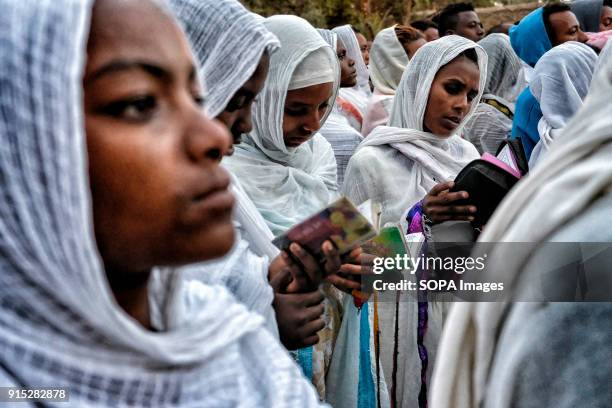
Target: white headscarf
563	186
560	82
226	39
505	77
489	127
434	159
329	36
60	325
388	60
287	184
360	93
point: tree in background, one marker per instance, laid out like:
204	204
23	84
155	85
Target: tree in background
369	16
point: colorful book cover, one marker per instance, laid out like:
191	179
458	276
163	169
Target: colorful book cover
340	222
389	243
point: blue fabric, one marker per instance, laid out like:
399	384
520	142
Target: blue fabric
525	124
367	389
304	360
529	39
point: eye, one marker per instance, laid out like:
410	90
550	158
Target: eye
237	102
295	112
137	109
453	88
324	106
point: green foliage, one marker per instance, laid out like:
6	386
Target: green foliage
380	13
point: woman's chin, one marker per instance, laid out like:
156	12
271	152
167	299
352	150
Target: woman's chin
215	243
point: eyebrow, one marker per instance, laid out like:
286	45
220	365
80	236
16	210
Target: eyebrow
128	65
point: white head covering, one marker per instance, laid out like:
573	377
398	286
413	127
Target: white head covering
329	36
561	188
505	77
59	323
228	42
314	69
388	60
489	127
435	159
287	184
360	93
561	80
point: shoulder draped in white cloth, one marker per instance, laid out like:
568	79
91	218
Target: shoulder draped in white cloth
560	82
59	323
569	181
287	184
416	159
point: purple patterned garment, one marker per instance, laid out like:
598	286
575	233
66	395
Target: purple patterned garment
415	225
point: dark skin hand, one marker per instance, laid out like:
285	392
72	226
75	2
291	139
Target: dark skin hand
355	265
438	204
298	315
305	272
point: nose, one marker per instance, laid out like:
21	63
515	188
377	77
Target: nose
312	122
351	62
245	120
205	139
461	104
582	37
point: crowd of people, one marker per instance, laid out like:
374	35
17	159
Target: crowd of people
151	151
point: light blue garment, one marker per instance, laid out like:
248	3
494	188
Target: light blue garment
529	38
351	381
525	124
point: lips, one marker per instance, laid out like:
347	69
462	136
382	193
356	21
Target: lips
297	140
451	122
216	197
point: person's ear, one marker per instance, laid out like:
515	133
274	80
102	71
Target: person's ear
449	32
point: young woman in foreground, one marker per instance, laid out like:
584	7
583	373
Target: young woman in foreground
79	249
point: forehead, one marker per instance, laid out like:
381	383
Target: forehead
466	17
461	68
361	39
340	45
311	95
135	29
563	19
